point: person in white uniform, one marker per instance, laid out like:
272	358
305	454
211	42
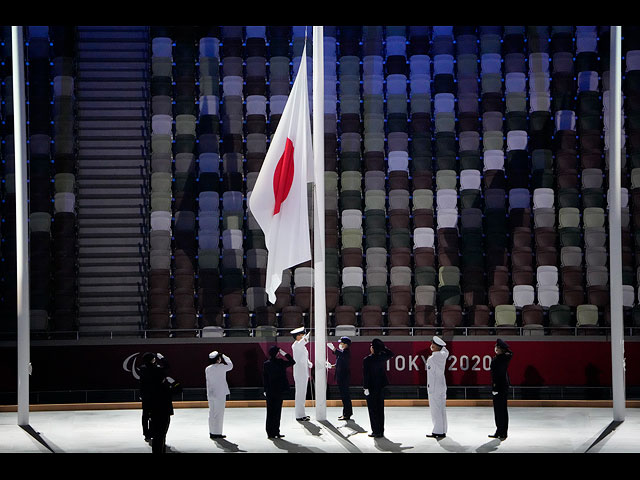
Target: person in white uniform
217	391
301	371
437	387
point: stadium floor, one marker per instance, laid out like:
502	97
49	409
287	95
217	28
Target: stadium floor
531	430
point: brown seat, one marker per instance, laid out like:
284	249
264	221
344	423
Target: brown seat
291	317
473	276
238	322
494	179
232	299
522	275
448	257
567	179
474	295
265	316
598	295
573	295
448	238
401	295
424	316
283	297
398	180
532	315
499	295
345	315
400	257
398	316
451	317
498	275
422	217
399	218
331	220
423	179
521	257
496	256
374	161
303	297
521	237
546	256
566	160
371	321
479	316
545	237
571	275
351	257
520	217
332	297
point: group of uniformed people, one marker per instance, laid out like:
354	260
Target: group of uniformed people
157	388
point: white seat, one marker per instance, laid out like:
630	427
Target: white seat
515	82
161	47
539	101
444	102
64	202
256	105
491	63
352	277
523	295
208	239
517	140
548	295
565	120
447	218
209	220
543	198
418	65
470	179
162	124
547	275
624	198
586	42
398	160
209	47
232	239
209	202
303	277
493	160
628	295
632	60
351	218
232	85
396	83
425	295
588	81
212	331
277	103
209	105
446	198
161	220
423	237
443	64
209	162
538	62
345	331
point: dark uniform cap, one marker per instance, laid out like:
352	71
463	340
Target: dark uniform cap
378	345
502	344
273	351
346	340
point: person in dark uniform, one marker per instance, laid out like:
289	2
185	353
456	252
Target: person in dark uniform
157	390
274	376
500	388
374	381
148	362
343	374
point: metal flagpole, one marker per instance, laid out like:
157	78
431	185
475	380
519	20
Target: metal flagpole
320	308
22	245
615	241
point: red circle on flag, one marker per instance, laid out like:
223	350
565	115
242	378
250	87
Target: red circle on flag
283	176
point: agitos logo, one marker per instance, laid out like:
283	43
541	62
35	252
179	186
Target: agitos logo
129	365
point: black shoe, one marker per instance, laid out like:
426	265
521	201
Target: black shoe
342	417
211	435
374	435
303	419
499	437
437	436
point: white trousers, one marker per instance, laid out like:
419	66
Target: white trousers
301	395
438	408
216	413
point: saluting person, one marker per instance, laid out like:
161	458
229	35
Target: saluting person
343	374
500	388
301	371
217	391
374	381
275	382
437	387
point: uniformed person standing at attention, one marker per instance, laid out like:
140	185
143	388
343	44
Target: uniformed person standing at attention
274	376
374	378
301	371
500	388
343	374
437	387
217	391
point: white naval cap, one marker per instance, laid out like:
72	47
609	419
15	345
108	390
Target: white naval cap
295	331
439	341
213	355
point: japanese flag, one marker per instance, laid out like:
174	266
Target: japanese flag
278	200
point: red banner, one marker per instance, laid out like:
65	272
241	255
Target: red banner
112	367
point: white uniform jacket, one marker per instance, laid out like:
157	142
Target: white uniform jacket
436	383
216	375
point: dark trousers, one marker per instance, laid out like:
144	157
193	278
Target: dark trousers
500	413
145	424
375	405
274	412
159	426
345	395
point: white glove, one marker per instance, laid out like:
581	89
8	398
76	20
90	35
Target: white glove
282	352
306	337
331	347
264	393
309	364
494	393
328	364
226	359
366	392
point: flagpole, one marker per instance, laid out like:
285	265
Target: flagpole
320	307
615	242
22	227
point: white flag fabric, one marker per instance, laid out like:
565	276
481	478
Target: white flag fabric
278	200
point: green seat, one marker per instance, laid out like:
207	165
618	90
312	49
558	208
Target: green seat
232	220
161	182
505	315
543	179
185	124
446	144
161	143
448	275
375	237
184	182
377	295
375	219
449	295
330	181
421	102
541	159
470	198
64	182
374	142
400	238
397	103
593	197
593	217
353	296
446	179
420	145
515	102
560	316
635	178
350	161
350	103
446	162
470	160
208	258
445	122
352	238
473	257
422	163
422	199
568	217
570	236
586	315
397	122
374	200
516	120
332	278
161	202
568	198
373	122
425	276
39	222
350	180
255	239
350	200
